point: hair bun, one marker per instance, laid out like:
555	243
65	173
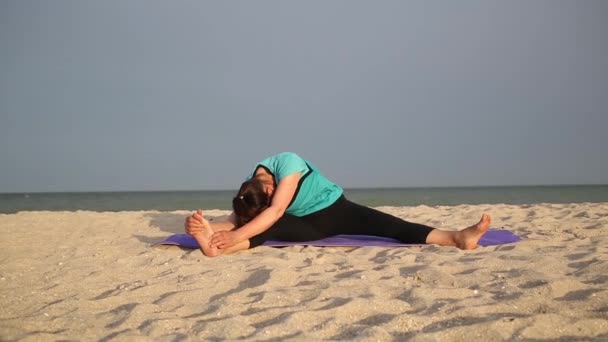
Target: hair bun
250	200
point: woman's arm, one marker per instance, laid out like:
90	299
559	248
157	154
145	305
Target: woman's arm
283	195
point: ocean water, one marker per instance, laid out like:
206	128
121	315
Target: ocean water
190	200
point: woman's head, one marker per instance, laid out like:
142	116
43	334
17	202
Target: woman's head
251	199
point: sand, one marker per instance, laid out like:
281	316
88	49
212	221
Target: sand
94	276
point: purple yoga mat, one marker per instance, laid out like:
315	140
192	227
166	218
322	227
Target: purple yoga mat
493	237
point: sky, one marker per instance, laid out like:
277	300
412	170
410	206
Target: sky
190	95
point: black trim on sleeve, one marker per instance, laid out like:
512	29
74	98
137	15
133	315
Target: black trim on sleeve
274	178
300	184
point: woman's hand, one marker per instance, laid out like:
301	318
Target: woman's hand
225	238
194	224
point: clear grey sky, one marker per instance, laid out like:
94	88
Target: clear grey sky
162	95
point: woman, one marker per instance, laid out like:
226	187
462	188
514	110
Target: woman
286	198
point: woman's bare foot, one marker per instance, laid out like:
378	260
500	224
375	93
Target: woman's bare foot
203	237
468	237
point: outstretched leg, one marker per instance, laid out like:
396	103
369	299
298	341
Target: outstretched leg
463	239
346	217
225	224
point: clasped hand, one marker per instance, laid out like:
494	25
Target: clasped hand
224	239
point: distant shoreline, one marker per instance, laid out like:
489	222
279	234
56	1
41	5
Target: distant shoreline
345	188
373	197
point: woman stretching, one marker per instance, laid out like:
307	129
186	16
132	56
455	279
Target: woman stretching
286	198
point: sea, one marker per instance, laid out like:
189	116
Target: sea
221	199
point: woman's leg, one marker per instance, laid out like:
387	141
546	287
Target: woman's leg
346	217
463	239
353	218
289	228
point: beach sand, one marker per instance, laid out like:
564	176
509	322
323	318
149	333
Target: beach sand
94	276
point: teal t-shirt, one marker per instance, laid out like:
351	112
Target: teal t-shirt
314	192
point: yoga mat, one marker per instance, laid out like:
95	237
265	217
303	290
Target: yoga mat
493	237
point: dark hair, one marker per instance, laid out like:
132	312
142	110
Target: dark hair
250	201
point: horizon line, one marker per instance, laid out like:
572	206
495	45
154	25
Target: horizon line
345	188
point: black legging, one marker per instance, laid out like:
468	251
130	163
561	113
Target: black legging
343	217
